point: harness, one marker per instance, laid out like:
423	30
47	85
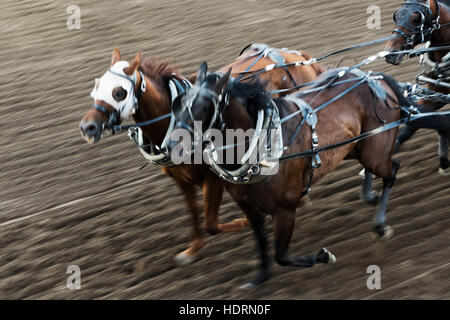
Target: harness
160	155
436	70
265	147
261	158
252	173
310	115
274	54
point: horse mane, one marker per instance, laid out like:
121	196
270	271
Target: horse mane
253	93
395	86
160	71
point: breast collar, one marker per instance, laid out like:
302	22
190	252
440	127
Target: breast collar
178	85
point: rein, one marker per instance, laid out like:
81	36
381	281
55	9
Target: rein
255	73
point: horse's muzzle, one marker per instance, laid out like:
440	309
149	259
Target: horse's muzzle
395	58
91	131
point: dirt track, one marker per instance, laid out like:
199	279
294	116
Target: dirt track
64	202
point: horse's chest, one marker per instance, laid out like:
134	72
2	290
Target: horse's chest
186	174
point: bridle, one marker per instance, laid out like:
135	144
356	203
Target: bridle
417	33
114	116
219	101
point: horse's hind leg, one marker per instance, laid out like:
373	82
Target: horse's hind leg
444	167
367	194
284	221
380	217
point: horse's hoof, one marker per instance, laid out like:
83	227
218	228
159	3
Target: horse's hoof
248	286
184	258
362	173
383	233
262	276
325	256
444	172
372	199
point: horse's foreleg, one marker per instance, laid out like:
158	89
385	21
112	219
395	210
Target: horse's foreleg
188	255
380	217
257	220
284	221
444	167
368	195
212	196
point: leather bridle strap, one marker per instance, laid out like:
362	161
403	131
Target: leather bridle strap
419	30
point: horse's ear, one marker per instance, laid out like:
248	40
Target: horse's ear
223	80
192	78
201	73
177	108
134	64
115	56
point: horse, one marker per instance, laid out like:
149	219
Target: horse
281	193
419	21
139	89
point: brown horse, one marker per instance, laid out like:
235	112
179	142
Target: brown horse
139	89
417	22
282	193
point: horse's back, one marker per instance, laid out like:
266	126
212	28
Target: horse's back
278	78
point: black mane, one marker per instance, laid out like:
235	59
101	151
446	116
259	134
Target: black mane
253	94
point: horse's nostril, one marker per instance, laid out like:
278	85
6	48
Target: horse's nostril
89	128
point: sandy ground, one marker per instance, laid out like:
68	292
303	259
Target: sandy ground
64	202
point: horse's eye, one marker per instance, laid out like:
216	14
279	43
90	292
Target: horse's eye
416	18
119	94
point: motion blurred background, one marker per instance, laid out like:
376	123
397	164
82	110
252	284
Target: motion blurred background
63	202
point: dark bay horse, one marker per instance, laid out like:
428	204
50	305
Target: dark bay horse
282	193
419	21
123	84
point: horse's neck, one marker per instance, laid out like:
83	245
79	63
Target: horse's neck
154	103
441	37
236	116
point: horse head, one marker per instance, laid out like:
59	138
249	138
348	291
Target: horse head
115	97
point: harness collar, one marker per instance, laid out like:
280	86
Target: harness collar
178	86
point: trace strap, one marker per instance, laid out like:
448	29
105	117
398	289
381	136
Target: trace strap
365	135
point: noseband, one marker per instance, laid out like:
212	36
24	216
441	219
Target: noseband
418	33
114	116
